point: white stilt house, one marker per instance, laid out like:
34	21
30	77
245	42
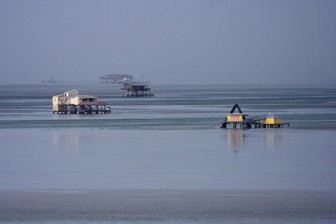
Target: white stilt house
72	102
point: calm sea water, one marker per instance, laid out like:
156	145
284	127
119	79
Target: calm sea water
174	107
165	160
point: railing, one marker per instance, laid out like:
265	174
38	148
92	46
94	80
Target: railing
94	103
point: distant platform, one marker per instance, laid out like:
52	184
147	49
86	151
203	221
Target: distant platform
104	79
136	89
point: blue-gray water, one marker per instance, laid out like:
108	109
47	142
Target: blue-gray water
174	107
165	160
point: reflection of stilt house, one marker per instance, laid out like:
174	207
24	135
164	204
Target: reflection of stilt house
136	89
72	102
235	140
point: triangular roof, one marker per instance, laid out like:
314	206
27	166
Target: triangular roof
236	106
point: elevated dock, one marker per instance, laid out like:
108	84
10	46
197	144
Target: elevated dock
73	103
240	121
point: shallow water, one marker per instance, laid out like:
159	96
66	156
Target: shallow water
182	159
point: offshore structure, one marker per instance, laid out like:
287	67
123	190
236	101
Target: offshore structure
239	120
136	89
104	79
71	102
115	78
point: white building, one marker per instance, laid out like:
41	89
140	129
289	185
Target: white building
73	102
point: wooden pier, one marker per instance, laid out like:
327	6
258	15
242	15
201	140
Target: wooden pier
239	121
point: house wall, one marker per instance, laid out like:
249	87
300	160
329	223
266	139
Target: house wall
235	117
74	100
271	120
57	100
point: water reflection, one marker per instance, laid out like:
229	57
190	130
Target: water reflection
66	116
239	140
65	142
235	139
272	139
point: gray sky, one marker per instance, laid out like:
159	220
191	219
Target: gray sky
171	41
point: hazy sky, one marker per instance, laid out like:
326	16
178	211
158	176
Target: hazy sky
169	41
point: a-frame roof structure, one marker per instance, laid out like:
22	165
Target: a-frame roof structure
236	106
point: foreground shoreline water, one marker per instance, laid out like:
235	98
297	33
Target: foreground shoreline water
168	205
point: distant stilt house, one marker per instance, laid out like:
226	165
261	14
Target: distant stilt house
239	120
136	89
73	103
236	120
271	119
